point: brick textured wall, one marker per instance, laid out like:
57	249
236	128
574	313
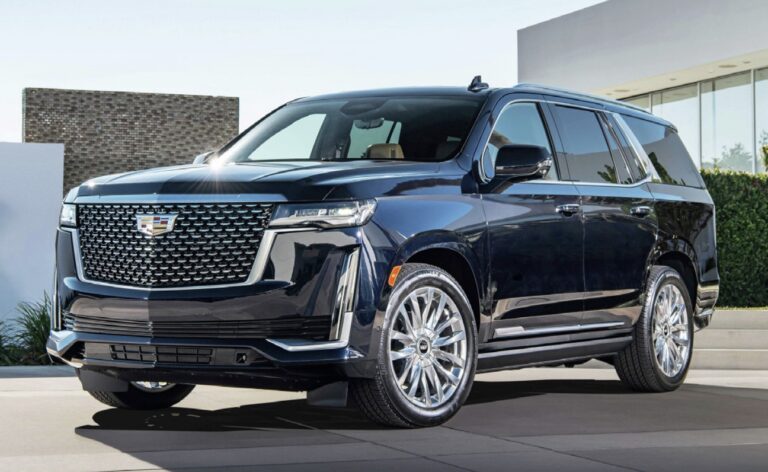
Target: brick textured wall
110	132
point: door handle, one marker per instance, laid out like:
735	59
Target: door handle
640	211
568	209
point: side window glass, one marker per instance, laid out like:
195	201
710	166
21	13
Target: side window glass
519	123
295	141
633	161
589	158
622	170
666	152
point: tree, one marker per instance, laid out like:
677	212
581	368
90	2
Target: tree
734	158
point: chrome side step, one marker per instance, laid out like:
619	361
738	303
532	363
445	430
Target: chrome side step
516	331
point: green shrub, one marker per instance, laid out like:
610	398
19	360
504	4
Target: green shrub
6	345
742	235
32	333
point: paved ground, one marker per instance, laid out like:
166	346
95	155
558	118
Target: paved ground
536	419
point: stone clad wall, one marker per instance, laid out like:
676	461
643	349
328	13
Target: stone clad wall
111	132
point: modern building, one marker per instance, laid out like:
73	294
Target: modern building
110	132
701	64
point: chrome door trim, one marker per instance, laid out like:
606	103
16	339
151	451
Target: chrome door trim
515	331
257	270
645	161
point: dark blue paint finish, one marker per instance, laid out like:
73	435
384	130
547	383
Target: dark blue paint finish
531	266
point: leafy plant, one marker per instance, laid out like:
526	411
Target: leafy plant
742	235
33	327
6	346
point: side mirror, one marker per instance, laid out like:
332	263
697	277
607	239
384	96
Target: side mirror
203	158
523	161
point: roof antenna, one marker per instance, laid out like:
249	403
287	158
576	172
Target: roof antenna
477	84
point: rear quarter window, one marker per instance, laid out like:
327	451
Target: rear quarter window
667	152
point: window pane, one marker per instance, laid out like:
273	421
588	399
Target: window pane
366	133
761	117
726	123
589	159
680	106
426	128
520	123
643	101
666	152
622	170
295	141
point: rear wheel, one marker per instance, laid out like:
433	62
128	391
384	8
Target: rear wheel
660	353
145	396
427	354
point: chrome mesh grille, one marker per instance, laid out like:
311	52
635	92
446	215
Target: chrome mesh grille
211	244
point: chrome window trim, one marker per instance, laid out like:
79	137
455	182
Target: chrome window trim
257	270
645	161
636	146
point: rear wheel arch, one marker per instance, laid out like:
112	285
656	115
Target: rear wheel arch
682	261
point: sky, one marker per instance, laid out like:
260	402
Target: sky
264	52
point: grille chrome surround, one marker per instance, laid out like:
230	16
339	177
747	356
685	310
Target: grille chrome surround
303	327
214	244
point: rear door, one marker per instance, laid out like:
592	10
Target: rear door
617	208
535	232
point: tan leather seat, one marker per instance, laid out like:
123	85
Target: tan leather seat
384	151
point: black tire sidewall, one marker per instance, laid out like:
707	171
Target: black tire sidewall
411	278
665	276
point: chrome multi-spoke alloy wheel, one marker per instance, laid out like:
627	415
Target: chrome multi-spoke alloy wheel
671	332
153	387
428	347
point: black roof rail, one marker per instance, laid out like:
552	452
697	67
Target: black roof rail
583	95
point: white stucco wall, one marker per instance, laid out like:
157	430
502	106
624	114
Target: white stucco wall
31	186
622	42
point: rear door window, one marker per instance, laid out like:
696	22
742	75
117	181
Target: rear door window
586	148
666	152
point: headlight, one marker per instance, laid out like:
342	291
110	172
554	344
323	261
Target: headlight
324	215
68	215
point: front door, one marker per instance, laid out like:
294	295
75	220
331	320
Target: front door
535	236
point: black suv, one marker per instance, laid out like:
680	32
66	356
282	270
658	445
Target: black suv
382	247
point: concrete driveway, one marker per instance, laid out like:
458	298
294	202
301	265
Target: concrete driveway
536	419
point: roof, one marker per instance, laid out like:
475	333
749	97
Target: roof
609	104
403	92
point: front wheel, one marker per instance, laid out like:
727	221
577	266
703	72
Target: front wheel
427	353
662	345
145	396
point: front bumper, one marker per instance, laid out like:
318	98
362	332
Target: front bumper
136	334
247	363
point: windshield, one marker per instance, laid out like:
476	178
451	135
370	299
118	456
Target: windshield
409	128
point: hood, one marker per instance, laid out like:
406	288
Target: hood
274	181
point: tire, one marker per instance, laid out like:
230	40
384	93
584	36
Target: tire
640	366
448	362
136	398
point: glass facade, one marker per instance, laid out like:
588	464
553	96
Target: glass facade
761	118
723	121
